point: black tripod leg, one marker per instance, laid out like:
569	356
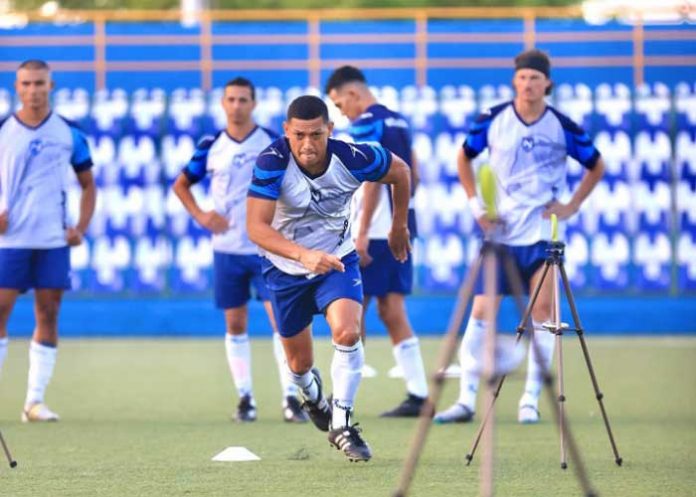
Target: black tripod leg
598	394
447	350
12	462
524	325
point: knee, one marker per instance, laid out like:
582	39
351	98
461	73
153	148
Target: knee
299	364
47	313
235	327
387	312
347	334
541	311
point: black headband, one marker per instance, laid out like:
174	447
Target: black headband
533	59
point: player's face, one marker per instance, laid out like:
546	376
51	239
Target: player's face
346	100
530	85
33	87
238	104
308	140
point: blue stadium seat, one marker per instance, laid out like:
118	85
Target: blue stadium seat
654	206
6	103
186	111
176	151
610	256
686	261
653	106
616	150
445	258
270	108
72	104
613	107
419	105
489	96
152	258
685	155
577	258
685	106
686	206
111	257
109	111
147	112
193	258
652	257
653	153
612	204
458	106
576	102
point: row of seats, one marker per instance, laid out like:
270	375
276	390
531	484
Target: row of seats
192	111
603	262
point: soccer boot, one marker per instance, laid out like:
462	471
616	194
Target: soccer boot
458	413
38	412
528	414
246	410
292	411
347	439
320	411
409	408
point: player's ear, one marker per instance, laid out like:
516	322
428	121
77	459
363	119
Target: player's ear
330	125
549	88
285	128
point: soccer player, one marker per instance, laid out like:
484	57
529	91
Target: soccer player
529	142
229	158
37	150
383	276
298	212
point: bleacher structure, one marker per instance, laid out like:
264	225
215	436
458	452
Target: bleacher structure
636	232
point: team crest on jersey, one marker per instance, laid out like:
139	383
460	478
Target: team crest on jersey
35	147
241	160
329	202
528	143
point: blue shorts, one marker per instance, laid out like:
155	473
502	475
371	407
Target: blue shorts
527	259
22	269
234	274
296	299
385	274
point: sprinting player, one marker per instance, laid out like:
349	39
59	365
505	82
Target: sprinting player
298	212
529	142
384	278
38	148
229	158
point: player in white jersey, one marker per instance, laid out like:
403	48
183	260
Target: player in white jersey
38	149
383	277
229	158
298	212
529	142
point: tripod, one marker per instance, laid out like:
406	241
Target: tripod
489	255
12	462
554	262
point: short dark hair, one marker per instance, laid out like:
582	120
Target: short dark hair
34	64
343	75
308	107
240	81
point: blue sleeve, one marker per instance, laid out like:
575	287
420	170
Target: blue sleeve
578	143
367	131
197	167
367	162
81	160
477	139
269	171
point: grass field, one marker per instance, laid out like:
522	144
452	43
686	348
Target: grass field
144	418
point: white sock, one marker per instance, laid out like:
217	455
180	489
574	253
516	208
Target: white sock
288	387
470	352
306	383
545	342
407	354
3	350
239	360
42	360
346	373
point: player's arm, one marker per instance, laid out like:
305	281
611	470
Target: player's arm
210	220
260	214
467	179
399	176
88	200
415	171
587	184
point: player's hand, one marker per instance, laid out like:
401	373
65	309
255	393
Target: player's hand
73	236
562	211
214	222
487	224
400	243
320	262
361	244
4	222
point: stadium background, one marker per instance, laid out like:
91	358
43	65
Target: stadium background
146	86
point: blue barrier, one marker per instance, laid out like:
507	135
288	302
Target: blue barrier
195	318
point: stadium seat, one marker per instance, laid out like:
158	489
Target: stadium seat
686	206
5	103
577	258
72	104
612	204
419	105
138	156
653	106
613	106
654	204
685	105
110	259
193	259
653	152
446	149
490	96
685	155
616	151
80	274
147	111
186	110
270	108
109	109
652	257
458	105
445	259
428	166
610	258
576	103
686	261
153	256
387	95
176	153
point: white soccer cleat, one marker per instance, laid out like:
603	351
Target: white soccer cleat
368	371
38	413
528	414
396	372
457	413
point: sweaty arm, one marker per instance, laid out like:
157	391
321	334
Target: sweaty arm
587	184
260	214
88	200
399	176
210	220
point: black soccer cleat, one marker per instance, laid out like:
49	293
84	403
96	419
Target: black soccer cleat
292	411
409	408
348	440
320	411
246	410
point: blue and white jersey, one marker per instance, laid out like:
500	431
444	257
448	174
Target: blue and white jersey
314	211
34	167
529	163
231	164
381	126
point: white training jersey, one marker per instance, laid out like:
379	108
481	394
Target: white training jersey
231	164
529	164
34	166
314	211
